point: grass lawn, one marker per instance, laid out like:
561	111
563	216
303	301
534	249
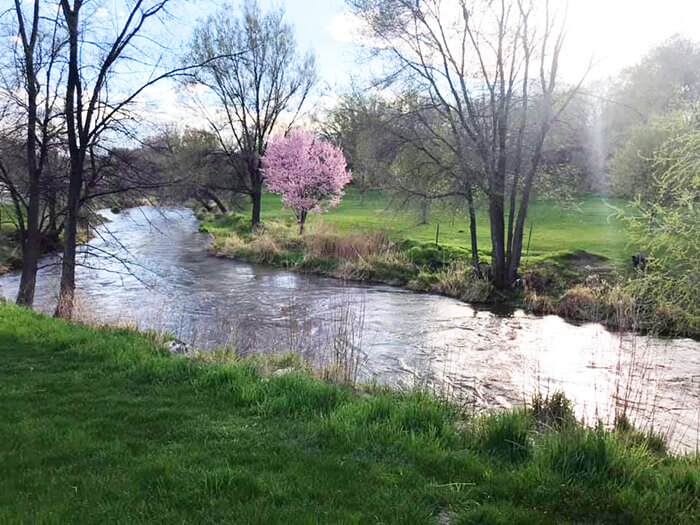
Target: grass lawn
588	224
103	426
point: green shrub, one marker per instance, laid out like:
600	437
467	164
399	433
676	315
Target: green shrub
625	432
432	256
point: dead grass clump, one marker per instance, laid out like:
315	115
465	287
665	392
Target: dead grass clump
541	279
265	248
279	229
324	242
387	267
579	302
461	281
621	307
541	304
228	244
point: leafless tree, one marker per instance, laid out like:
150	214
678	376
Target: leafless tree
30	88
491	70
253	91
96	110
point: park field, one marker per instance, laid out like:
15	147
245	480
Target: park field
104	426
586	223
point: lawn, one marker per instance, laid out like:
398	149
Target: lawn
586	224
103	426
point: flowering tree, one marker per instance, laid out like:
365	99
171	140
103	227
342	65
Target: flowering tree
309	173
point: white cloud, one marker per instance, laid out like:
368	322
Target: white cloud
618	33
346	28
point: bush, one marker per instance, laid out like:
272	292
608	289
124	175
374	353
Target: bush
432	256
388	267
650	440
392	418
461	281
541	279
265	248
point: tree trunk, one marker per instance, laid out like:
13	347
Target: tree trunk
31	247
77	146
472	229
514	262
66	297
204	203
424	211
217	201
31	242
302	222
256	181
498	262
30	262
256	197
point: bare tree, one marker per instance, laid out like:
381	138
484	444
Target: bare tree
30	87
94	112
490	68
252	90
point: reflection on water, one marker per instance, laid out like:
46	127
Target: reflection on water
408	339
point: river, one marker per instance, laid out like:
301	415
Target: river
150	268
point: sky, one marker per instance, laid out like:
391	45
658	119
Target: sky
615	33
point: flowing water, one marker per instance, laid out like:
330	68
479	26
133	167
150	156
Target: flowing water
150	268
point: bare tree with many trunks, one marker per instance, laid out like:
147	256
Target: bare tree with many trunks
490	69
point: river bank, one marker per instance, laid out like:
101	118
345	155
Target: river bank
11	247
160	278
120	422
574	285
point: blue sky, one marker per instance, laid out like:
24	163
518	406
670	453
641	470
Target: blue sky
617	32
316	24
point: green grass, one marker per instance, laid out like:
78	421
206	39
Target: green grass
102	426
588	224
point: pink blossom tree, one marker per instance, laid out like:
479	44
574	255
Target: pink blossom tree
308	172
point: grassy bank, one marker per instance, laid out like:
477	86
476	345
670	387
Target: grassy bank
572	281
367	239
10	242
103	426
